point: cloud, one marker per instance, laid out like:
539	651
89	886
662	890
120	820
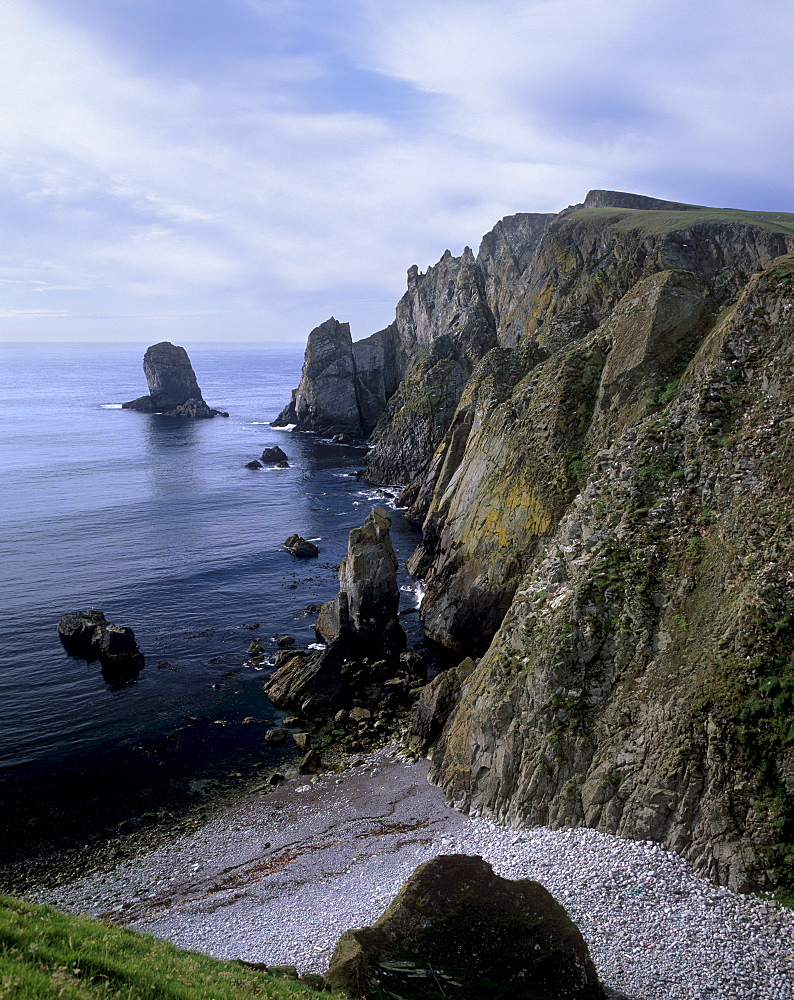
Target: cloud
279	160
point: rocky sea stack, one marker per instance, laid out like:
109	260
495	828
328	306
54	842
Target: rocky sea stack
173	389
364	670
592	420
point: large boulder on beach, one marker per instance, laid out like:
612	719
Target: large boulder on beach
173	389
457	930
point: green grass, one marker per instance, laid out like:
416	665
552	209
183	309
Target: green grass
46	955
659	222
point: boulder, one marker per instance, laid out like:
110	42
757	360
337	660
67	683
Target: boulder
313	684
276	737
300	547
458	930
173	389
90	635
273	455
253	465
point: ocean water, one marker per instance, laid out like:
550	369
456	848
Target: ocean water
157	522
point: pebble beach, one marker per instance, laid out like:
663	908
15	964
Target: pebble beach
279	877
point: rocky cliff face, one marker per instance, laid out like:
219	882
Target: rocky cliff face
602	465
173	389
642	679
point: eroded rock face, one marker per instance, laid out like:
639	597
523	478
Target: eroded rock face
458	930
653	630
606	477
173	389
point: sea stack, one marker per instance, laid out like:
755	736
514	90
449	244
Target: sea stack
173	389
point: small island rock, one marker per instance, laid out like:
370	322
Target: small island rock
173	389
273	455
90	635
300	547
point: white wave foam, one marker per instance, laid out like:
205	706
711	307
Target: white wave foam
286	427
316	645
417	588
110	406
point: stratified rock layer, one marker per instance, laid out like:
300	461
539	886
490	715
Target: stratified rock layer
458	930
173	389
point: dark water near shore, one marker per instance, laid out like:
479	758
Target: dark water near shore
157	522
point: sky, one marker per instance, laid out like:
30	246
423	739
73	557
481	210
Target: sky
240	170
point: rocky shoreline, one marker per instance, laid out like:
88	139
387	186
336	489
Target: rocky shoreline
278	877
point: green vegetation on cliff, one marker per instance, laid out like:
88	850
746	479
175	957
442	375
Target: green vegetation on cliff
46	955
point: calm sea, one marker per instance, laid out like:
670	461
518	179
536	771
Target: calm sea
157	522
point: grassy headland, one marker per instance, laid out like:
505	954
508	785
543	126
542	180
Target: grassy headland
46	955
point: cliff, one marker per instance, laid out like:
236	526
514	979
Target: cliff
591	425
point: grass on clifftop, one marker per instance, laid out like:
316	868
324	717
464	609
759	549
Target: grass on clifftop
46	955
657	221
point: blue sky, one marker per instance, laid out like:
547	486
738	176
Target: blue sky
242	169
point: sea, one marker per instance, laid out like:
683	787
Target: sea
157	522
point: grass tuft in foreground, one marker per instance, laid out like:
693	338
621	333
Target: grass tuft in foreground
45	955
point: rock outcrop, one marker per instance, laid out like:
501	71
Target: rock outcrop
274	455
368	596
173	389
458	930
364	664
300	547
599	453
90	635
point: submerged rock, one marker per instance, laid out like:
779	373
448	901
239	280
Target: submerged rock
173	389
458	930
